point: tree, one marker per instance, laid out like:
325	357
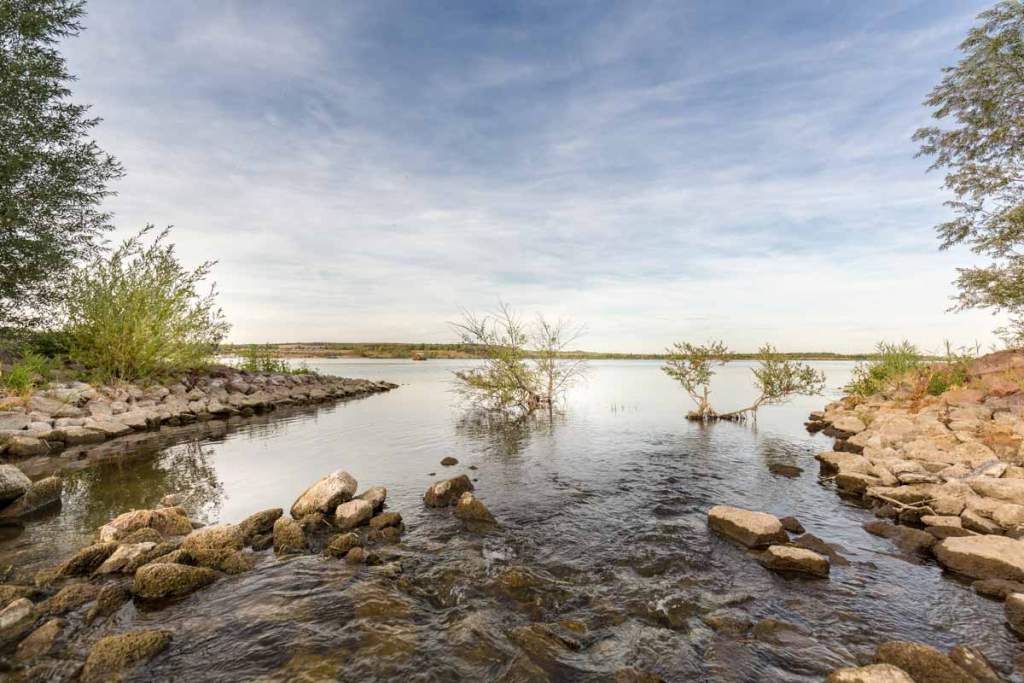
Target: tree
525	367
693	367
53	177
981	147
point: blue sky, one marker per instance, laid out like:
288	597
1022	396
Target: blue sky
654	170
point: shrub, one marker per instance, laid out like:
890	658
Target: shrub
893	362
138	312
261	359
27	373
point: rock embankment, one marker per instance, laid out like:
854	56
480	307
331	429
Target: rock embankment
76	413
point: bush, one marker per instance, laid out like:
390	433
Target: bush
261	359
893	363
27	373
138	313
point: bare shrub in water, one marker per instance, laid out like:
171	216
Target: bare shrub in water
138	312
526	366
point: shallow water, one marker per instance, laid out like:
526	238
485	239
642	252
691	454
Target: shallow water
605	505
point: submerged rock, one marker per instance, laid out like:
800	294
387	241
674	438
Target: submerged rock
386	519
87	560
41	494
472	509
449	461
325	495
341	544
15	620
875	673
40	641
906	538
166	580
447	492
68	598
922	662
108	601
113	655
784	558
983	557
752	529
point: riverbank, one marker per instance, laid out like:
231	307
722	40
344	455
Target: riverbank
945	476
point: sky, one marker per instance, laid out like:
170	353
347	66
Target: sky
654	171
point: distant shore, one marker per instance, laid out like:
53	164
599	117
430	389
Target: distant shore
424	351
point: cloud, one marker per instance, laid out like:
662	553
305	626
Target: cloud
653	170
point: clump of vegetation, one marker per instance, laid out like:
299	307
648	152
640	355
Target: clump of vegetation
523	368
29	372
138	312
892	364
262	358
776	376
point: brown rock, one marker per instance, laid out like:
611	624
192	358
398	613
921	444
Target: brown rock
784	558
792	525
997	588
875	673
166	521
87	560
165	580
289	536
922	662
472	509
1014	608
375	495
16	620
258	524
70	597
385	519
325	495
752	529
40	641
113	655
983	557
355	556
352	514
449	461
215	537
340	545
446	493
41	494
907	539
974	662
108	601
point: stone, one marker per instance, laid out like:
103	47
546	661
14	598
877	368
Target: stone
167	521
837	461
78	436
1008	515
26	446
15	620
784	558
325	495
258	524
907	539
997	588
1014	608
922	662
341	544
849	424
449	461
874	673
829	550
388	534
166	580
752	529
70	597
725	620
792	525
447	492
13	483
171	500
855	482
222	559
110	429
108	601
375	495
87	560
940	520
983	557
113	655
352	514
216	536
39	642
386	519
41	494
127	558
356	556
974	662
143	535
472	509
1010	490
784	470
288	536
14	420
972	521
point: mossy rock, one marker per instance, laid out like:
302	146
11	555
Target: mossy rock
166	580
221	559
113	655
68	598
342	543
87	560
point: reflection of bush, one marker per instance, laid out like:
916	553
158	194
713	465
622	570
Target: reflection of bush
505	438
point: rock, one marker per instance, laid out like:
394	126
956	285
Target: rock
289	536
472	509
258	524
784	558
39	642
446	493
166	580
997	588
41	494
356	556
907	539
86	560
325	495
13	483
922	662
78	436
836	461
375	495
940	520
752	529
792	525
449	461
166	521
974	662
784	470
1010	490
875	673
352	514
972	521
727	620
983	557
171	500
829	550
110	429
143	535
216	536
341	544
388	534
855	482
113	655
70	597
849	425
26	446
386	519
222	559
1014	608
14	420
127	558
108	601
15	620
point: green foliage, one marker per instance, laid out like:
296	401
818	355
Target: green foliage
138	313
777	378
693	366
53	177
261	358
981	103
892	364
29	372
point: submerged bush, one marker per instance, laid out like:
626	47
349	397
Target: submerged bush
138	312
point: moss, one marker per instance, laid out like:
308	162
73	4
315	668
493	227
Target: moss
288	536
165	580
221	559
114	654
109	600
86	560
68	598
341	544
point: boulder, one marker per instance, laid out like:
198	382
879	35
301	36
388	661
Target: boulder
108	601
258	524
41	494
70	597
449	461
997	588
39	642
15	620
974	662
907	539
110	429
14	420
752	529
87	560
26	446
792	525
375	495
472	509
1014	608
971	520
111	656
785	558
385	519
874	673
13	483
341	544
166	580
289	536
922	662
325	495
837	461
983	557
222	559
1010	490
216	536
352	514
167	521
78	436
447	492
849	425
127	558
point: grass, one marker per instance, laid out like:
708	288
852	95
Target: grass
27	373
903	366
261	358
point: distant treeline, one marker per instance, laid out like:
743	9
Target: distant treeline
426	351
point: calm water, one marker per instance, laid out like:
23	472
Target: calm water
605	506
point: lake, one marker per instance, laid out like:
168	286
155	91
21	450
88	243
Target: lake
602	508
